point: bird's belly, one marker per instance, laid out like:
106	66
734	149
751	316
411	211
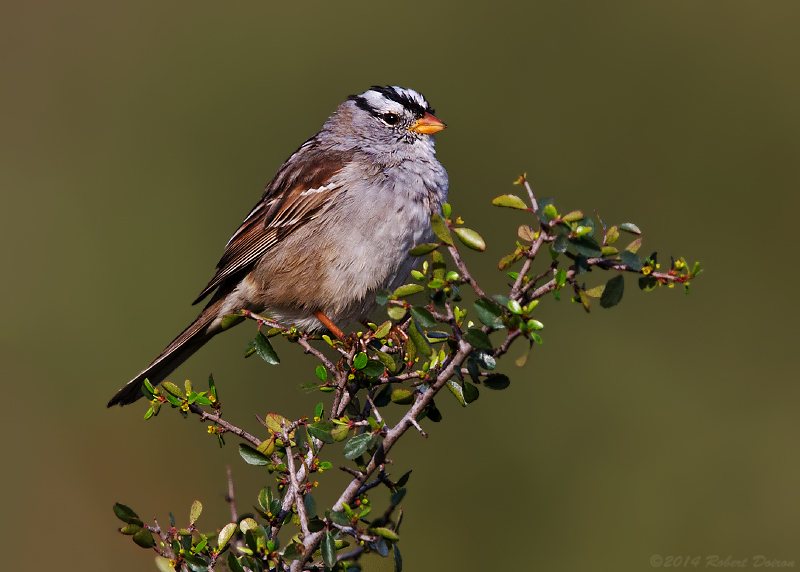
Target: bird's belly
338	266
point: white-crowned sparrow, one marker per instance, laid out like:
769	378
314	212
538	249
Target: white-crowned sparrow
333	227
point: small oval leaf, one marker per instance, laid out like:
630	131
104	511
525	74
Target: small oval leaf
423	249
470	238
510	201
225	535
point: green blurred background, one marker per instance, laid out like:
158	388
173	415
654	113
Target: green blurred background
137	135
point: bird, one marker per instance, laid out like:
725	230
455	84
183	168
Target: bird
333	227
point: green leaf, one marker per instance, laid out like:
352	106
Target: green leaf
310	505
408	290
497	381
612	294
478	339
440	229
631	260
253	457
328	550
373	368
338	517
233	563
144	538
561	277
385	533
196	563
148	390
423	249
130	529
225	534
339	432
397	497
423	316
470	238
561	243
588	226
573	216
446	210
610	251
194	513
402	396
612	235
484	359
526	233
648	283
419	341
276	422
630	227
471	392
456	390
396	312
265	497
510	201
360	361
635	245
596	292
550	211
322	373
584	299
264	350
126	515
383	330
172	388
508	260
401	482
587	246
357	445
321	431
230	320
294	551
489	313
535	325
382	297
386	360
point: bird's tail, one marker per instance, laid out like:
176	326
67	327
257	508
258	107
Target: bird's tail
181	348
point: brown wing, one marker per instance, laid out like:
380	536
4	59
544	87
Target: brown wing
299	192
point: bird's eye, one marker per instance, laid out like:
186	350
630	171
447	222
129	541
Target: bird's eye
390	118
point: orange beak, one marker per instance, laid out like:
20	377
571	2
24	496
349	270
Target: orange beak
427	124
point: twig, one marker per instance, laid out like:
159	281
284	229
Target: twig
507	343
351	555
462	268
230	498
527	185
409	419
415	424
301	507
215	417
309	349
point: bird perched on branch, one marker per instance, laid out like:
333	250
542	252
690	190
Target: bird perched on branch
333	227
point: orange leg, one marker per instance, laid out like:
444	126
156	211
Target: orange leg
328	324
